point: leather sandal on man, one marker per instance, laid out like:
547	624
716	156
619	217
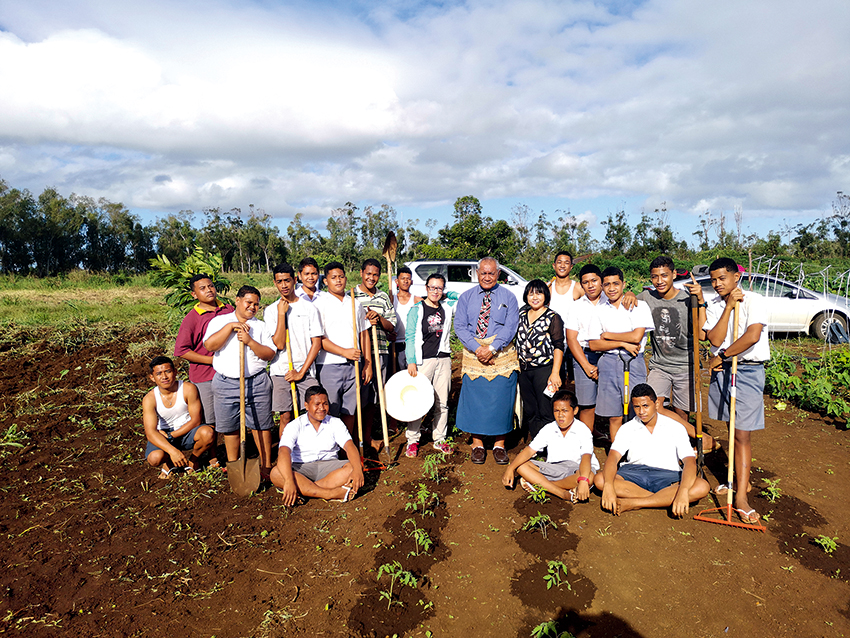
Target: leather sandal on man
500	455
479	455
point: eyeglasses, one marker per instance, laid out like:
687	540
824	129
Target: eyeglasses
434	289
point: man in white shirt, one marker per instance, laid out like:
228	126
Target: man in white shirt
307	461
335	363
753	350
652	477
299	318
308	272
225	336
620	335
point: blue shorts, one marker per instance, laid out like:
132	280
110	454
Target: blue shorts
652	479
585	386
749	402
182	443
609	400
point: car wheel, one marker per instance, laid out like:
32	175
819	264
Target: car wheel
822	321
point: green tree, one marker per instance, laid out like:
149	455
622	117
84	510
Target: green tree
618	234
573	235
176	236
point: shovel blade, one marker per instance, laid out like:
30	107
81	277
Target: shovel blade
243	475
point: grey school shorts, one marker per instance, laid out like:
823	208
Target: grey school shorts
258	403
557	471
585	386
749	402
183	443
317	470
338	380
675	387
205	392
369	393
282	392
609	399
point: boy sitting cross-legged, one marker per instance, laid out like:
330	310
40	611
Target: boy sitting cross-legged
570	463
655	445
307	462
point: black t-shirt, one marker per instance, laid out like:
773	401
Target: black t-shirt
432	330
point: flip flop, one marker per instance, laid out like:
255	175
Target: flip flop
528	487
345	498
164	474
573	497
751	517
720	490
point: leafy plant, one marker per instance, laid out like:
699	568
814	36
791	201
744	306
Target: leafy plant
772	492
541	522
422	541
423	502
819	385
14	436
826	543
549	630
431	467
538	495
397	574
557	575
175	277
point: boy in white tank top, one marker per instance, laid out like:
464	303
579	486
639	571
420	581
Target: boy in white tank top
403	301
171	413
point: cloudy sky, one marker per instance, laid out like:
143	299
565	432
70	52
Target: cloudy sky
303	106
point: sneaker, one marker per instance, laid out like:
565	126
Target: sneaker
443	447
412	450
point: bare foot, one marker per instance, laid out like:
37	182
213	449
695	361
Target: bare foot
625	505
164	473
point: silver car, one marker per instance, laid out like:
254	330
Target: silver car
791	308
460	276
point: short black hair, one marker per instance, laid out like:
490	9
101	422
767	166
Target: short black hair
588	269
435	275
563	252
404	270
334	265
644	390
308	261
565	395
370	262
724	263
313	391
283	269
537	285
248	290
196	278
613	271
159	361
662	261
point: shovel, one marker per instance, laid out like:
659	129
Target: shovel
389	252
243	473
291	383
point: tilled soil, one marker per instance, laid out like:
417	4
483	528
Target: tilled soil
94	544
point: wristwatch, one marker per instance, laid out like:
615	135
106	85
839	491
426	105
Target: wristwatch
722	354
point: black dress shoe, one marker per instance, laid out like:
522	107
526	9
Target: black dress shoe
479	455
500	455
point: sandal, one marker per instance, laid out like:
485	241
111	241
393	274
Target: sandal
528	487
164	473
751	517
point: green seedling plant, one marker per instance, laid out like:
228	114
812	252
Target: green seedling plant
431	467
826	543
14	436
397	574
541	522
772	492
549	630
423	502
422	541
557	575
538	495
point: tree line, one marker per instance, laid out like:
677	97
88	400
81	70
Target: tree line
51	234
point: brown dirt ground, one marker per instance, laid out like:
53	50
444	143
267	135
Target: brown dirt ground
94	544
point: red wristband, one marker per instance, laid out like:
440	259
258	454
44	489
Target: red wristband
583	478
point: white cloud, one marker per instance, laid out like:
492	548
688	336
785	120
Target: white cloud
303	107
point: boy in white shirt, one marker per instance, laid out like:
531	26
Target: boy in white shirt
224	337
570	463
753	350
335	363
308	272
301	319
620	335
307	461
655	445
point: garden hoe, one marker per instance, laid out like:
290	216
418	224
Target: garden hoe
291	383
356	335
379	381
726	512
244	473
697	391
389	252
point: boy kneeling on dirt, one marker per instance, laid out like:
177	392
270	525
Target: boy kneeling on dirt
171	414
655	445
307	461
570	463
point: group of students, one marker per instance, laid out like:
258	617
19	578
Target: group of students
316	339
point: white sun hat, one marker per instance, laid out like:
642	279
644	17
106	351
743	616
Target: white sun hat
408	398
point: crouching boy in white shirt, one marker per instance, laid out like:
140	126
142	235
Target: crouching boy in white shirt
570	463
307	462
